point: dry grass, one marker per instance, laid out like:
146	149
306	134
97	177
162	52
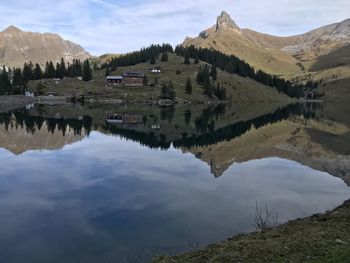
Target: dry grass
238	88
319	238
270	60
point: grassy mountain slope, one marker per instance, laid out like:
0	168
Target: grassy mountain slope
231	42
310	56
238	88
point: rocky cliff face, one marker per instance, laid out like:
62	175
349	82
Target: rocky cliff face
224	22
17	47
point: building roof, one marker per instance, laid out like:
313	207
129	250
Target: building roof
114	77
138	74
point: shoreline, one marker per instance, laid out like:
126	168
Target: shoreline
319	238
8	103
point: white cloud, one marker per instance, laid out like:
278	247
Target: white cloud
103	26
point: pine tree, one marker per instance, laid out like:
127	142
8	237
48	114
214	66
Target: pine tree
220	92
171	90
164	92
87	72
165	57
17	79
5	84
187	59
168	91
63	69
208	90
188	116
200	77
58	70
78	68
188	89
108	72
28	72
153	60
49	70
38	73
196	60
214	72
206	75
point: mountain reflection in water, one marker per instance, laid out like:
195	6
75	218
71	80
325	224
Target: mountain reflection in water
75	188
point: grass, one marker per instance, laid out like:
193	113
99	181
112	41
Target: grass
319	238
270	60
334	82
239	89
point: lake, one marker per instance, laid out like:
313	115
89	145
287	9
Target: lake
106	183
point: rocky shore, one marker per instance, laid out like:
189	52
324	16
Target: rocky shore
8	103
319	238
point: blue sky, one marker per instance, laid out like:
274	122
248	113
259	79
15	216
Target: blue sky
117	26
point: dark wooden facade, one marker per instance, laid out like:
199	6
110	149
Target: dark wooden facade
133	78
114	80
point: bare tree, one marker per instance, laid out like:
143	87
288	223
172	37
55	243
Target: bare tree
265	218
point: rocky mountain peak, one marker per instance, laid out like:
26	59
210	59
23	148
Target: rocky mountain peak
224	21
12	29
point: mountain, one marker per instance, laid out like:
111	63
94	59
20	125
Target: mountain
18	139
17	47
315	50
312	48
320	144
228	38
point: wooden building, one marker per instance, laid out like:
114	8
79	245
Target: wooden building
133	78
114	80
156	70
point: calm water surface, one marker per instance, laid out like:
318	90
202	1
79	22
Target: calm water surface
108	194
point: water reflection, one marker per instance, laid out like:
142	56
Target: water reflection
103	198
193	127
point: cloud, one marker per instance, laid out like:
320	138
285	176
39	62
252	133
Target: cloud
107	26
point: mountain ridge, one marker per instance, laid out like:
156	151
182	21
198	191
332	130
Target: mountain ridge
18	47
273	54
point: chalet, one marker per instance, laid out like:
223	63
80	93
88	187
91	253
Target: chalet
133	78
51	93
57	80
114	80
29	94
156	70
124	119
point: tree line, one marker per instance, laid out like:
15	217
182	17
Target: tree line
23	119
234	65
13	81
150	53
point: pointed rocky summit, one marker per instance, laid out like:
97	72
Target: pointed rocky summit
224	21
12	29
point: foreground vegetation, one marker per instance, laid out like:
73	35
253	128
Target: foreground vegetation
319	238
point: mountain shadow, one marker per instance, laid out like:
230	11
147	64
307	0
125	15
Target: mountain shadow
337	58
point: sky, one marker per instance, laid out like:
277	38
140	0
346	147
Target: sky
119	26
